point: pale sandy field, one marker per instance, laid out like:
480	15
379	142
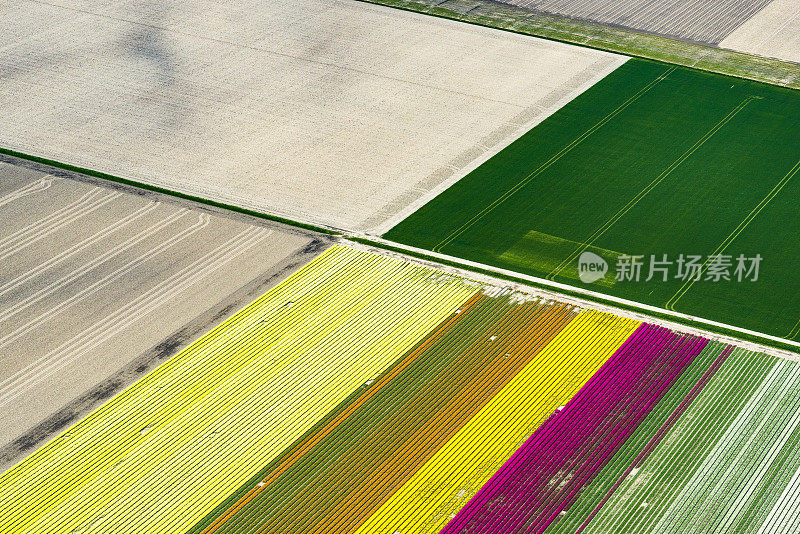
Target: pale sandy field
773	32
705	21
334	112
98	285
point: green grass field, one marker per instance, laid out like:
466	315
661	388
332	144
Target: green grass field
654	159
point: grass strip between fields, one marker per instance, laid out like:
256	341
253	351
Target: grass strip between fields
608	38
399	248
597	298
165	191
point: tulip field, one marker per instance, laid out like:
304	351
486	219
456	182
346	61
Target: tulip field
366	394
400	267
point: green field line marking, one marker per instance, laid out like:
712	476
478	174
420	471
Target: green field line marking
562	240
544	252
522	183
738	230
660	178
794	331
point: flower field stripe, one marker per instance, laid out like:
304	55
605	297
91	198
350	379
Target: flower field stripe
302	447
568	450
644	497
661	432
446	482
566	480
161	454
465	314
523	344
606	483
404	423
725	463
783	515
731	473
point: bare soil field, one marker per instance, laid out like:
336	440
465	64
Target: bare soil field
703	21
99	284
335	112
773	32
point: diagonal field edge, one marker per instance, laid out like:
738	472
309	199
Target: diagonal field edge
551	28
738	230
553	159
773	343
169	192
656	439
301	448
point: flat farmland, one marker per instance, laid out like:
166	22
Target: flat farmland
719	453
773	32
333	112
705	21
99	284
652	160
161	454
367	394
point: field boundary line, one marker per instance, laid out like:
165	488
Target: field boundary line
652	185
581	297
302	447
170	191
660	433
738	230
776	346
557	156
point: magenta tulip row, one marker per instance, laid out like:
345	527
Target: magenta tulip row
545	476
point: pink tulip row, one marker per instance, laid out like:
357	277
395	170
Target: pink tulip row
660	434
545	476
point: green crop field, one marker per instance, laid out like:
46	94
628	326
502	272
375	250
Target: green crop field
652	160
